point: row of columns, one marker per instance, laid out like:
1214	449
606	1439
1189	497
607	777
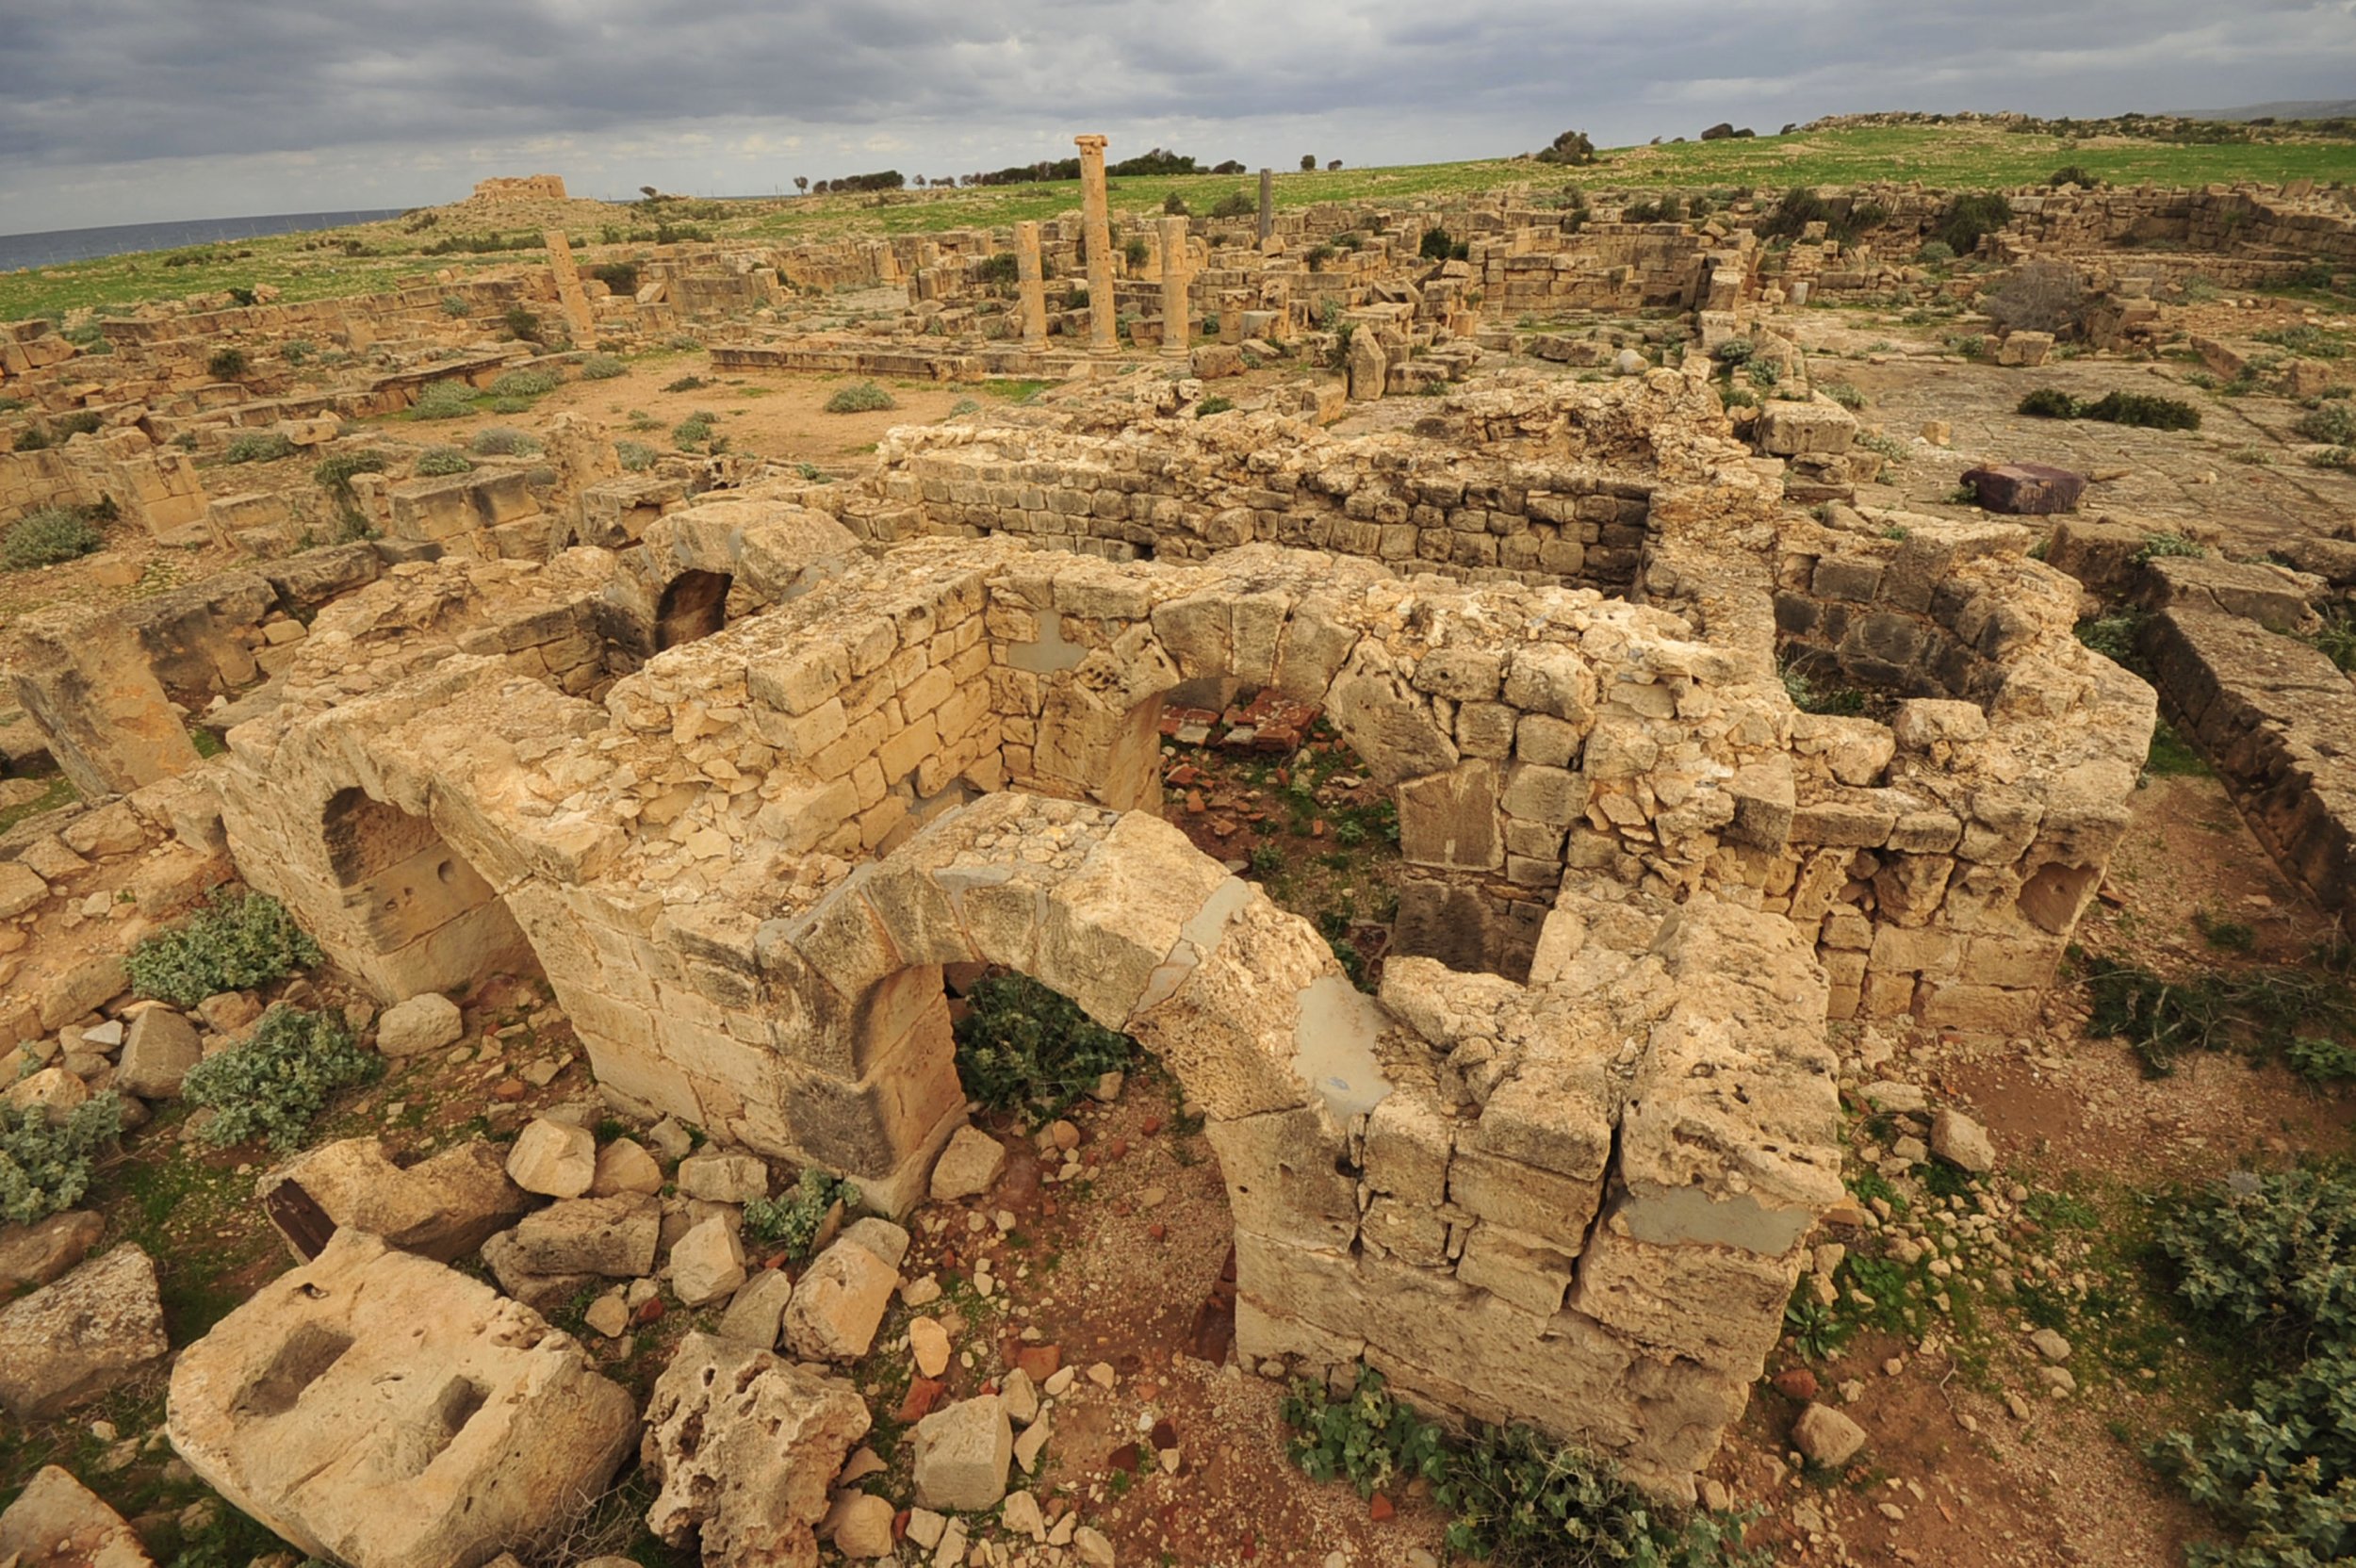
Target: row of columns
1096	234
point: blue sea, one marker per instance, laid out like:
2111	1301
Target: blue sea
43	250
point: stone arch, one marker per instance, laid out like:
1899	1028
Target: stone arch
697	569
418	916
694	606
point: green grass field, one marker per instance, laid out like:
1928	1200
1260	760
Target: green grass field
1947	157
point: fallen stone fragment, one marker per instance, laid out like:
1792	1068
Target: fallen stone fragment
707	1262
2025	489
158	1052
59	1523
724	1178
71	1341
744	1446
442	1208
554	1159
1828	1437
422	1023
382	1410
615	1236
624	1166
928	1341
969	1167
1961	1141
862	1528
37	1253
839	1302
758	1310
961	1455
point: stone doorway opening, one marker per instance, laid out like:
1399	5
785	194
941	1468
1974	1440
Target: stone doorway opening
694	605
417	916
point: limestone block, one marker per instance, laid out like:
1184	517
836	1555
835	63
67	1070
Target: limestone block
383	1410
745	1445
707	1262
718	1178
19	889
961	1455
1449	820
554	1159
613	1236
422	1023
969	1167
2025	489
757	1311
2028	348
1960	1140
59	1523
54	1091
624	1166
839	1302
158	1052
71	1341
37	1253
1822	429
1828	1437
442	1208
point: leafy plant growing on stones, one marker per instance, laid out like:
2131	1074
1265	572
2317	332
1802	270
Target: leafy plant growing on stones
46	537
1027	1049
861	396
46	1169
236	940
444	400
257	447
275	1084
789	1221
437	460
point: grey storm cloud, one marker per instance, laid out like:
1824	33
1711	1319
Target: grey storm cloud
195	91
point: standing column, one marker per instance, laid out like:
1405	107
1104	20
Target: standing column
1176	328
1033	281
1096	233
568	290
1267	204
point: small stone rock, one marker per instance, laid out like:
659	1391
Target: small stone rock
623	1166
929	1343
158	1052
724	1178
1828	1437
1963	1142
608	1314
969	1167
961	1455
862	1528
554	1159
758	1310
707	1262
2052	1345
425	1022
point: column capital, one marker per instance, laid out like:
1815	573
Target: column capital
1091	143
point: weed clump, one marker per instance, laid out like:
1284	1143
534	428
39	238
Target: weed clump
502	441
636	456
1025	1048
437	460
45	1170
275	1084
525	384
2137	409
790	1222
444	400
236	941
257	447
226	364
47	537
2304	1017
861	396
602	367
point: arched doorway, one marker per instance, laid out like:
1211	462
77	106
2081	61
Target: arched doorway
419	918
694	606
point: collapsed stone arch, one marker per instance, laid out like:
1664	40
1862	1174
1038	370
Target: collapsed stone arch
696	569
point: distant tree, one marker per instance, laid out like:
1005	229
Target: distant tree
1308	162
1571	147
648	191
918	181
1230	166
1334	164
801	182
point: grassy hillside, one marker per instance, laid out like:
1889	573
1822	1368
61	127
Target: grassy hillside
1956	156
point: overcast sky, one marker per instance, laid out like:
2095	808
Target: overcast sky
116	111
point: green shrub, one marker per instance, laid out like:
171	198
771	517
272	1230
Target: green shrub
444	400
47	537
1972	215
236	940
861	396
1000	271
602	367
226	364
1517	1498
525	384
1733	351
522	324
1843	393
2333	421
275	1084
257	447
502	441
789	1221
636	456
82	421
1935	251
1174	206
1209	407
619	276
32	438
1236	203
2142	409
692	431
2262	1013
454	304
687	384
334	475
2158	545
2048	402
2071	173
2272	1260
1024	1048
436	461
45	1170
